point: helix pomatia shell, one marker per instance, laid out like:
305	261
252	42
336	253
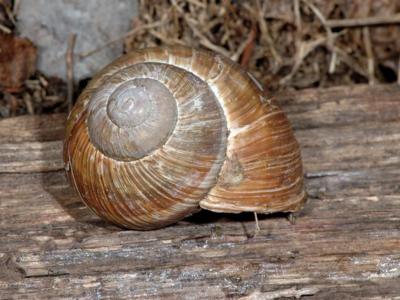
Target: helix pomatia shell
162	132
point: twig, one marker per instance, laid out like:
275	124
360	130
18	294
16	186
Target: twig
121	37
332	63
16	7
165	39
70	69
298	35
350	62
246	48
200	4
256	225
370	55
368	21
203	39
296	8
5	29
265	35
10	14
28	103
291	218
305	48
330	40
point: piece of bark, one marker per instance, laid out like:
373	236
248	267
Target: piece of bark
344	244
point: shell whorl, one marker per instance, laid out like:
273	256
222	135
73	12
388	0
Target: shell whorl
161	132
136	115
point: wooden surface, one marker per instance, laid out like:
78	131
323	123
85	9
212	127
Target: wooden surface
345	244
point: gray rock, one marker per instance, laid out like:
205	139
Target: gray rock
49	23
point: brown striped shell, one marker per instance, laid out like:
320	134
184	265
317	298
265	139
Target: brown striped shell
162	132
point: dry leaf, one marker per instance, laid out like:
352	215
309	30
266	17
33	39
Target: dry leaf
17	61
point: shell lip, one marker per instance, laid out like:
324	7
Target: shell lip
225	207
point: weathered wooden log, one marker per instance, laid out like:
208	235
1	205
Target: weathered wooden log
345	243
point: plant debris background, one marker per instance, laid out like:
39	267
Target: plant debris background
286	44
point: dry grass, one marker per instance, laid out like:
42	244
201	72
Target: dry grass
284	43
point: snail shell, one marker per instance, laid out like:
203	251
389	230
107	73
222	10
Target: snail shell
162	132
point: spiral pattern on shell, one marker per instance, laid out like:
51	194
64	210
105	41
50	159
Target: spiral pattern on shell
162	132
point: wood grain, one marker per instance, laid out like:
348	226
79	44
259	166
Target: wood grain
345	244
